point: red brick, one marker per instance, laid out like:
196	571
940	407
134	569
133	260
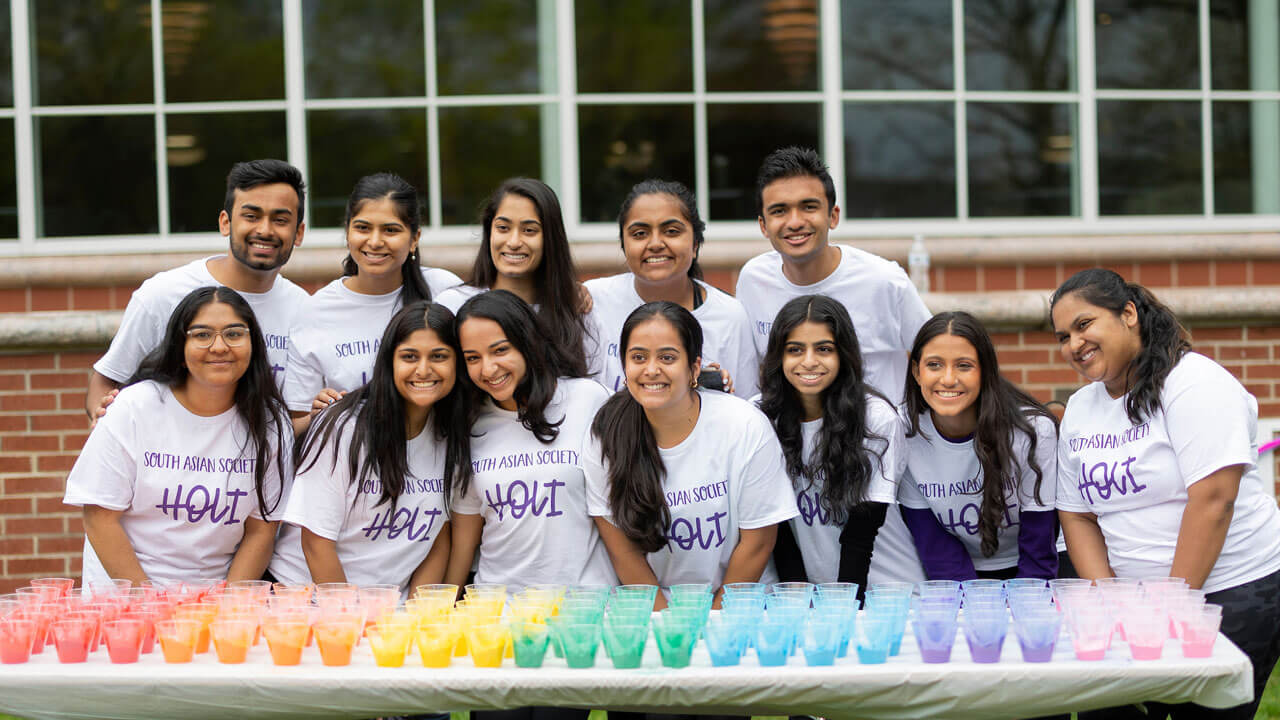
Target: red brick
13	381
13	423
55	463
1026	357
72	401
999	277
8	585
34	526
1006	340
1040	277
28	402
50	506
25	362
51	545
1040	337
15	464
1264	272
1063	376
1262	371
74	442
960	279
1202	334
1230	272
13	300
60	380
1192	273
1269	409
18	546
77	360
1155	274
61	421
75	524
15	506
1262	391
1260	332
1243	352
30	443
35	566
722	279
91	298
50	299
35	484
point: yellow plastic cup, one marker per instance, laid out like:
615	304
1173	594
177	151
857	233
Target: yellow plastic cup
390	643
435	643
488	644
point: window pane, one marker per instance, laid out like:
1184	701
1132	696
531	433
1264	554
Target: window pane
6	57
899	45
1019	44
621	145
491	46
634	47
759	45
385	58
8	183
1143	44
225	50
1243	40
1149	158
1246	157
97	175
739	137
200	149
92	53
509	137
345	145
899	160
1020	157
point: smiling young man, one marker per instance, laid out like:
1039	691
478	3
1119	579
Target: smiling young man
796	199
262	219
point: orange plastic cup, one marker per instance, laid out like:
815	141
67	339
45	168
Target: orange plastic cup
231	639
203	613
178	639
285	639
336	636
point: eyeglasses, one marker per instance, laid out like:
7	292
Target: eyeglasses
233	336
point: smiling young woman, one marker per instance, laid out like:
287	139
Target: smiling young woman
1158	464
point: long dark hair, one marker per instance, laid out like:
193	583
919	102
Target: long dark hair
556	278
404	198
257	399
538	386
1003	409
842	456
628	444
378	442
688	207
1164	339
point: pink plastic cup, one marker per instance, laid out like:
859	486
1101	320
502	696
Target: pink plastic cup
41	617
1200	630
1091	628
16	639
63	585
95	620
147	620
124	640
72	638
1145	629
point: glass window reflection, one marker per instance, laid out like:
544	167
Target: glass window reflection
1019	44
1246	157
383	57
91	53
1144	44
200	149
1243	37
8	182
345	145
225	50
634	47
6	57
1149	158
899	160
115	156
619	146
899	45
1020	159
491	47
479	148
739	137
760	45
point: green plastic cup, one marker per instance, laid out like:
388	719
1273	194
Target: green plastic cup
580	642
529	643
676	634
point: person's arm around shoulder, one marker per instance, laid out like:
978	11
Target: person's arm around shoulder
102	392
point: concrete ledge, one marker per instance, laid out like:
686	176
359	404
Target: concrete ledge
317	264
999	311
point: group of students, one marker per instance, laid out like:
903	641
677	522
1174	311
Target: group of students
523	428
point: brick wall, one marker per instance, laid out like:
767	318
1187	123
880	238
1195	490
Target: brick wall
42	423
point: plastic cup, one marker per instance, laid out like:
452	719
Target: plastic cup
16	638
935	631
178	639
624	643
773	640
285	640
874	638
1199	630
1146	631
124	640
675	636
1091	629
72	638
389	643
726	640
1037	632
94	618
529	643
232	639
842	589
820	640
335	636
580	643
487	643
202	612
985	630
435	642
41	616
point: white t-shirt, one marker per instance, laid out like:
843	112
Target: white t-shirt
532	496
884	305
726	331
147	315
950	486
454	296
184	483
336	336
727	475
894	558
1134	478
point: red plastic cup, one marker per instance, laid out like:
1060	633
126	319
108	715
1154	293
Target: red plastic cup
16	640
72	638
63	585
148	621
94	618
41	616
124	640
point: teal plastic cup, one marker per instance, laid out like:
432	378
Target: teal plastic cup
675	635
624	643
874	637
529	643
629	611
773	641
580	643
821	641
634	592
690	589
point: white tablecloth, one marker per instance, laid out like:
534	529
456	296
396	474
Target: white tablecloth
903	688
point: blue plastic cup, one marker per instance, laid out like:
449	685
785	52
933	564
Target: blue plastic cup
842	589
1037	632
795	619
1022	582
935	632
745	587
821	641
893	607
773	641
802	587
874	636
985	629
726	640
944	587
